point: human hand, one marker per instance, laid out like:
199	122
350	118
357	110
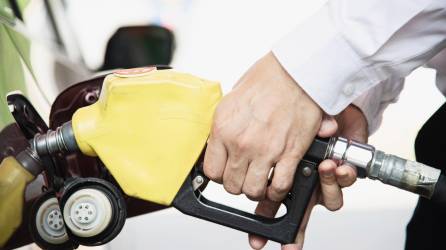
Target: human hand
351	123
266	121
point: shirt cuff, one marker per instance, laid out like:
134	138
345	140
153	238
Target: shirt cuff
374	102
370	108
323	63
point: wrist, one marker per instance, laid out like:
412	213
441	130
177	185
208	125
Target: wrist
287	78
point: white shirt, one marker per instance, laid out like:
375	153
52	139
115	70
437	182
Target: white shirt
360	51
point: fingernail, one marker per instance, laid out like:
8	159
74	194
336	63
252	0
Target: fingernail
342	173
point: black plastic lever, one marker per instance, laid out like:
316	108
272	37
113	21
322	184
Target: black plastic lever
282	229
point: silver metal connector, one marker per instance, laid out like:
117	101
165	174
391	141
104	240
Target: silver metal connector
389	169
346	151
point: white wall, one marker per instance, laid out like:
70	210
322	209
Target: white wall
219	40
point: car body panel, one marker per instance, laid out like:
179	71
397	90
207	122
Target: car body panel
11	74
39	73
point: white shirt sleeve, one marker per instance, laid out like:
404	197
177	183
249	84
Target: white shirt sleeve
373	102
438	63
350	46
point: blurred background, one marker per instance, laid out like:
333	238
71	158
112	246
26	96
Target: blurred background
219	40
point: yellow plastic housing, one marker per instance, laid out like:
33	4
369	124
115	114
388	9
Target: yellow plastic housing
149	130
13	180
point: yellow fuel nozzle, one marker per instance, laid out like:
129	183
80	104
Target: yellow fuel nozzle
15	174
148	127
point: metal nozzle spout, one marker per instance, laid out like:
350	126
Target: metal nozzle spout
60	140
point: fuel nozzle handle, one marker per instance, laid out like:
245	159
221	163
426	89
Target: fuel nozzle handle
409	175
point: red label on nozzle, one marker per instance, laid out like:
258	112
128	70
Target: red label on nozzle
134	72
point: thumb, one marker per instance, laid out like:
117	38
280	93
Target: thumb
329	126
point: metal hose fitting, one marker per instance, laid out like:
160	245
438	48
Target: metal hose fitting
350	152
408	175
389	169
54	141
29	159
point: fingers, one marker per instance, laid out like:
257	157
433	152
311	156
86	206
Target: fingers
257	242
234	173
345	175
256	179
329	126
331	193
215	160
268	209
283	178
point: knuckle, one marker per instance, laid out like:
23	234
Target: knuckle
234	163
218	129
281	187
269	153
294	156
215	131
232	188
222	130
253	192
293	150
334	206
243	144
276	147
211	173
290	159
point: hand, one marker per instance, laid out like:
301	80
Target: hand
266	121
351	124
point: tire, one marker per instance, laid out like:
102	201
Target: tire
46	224
93	210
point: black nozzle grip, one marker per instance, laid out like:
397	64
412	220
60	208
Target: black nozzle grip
282	229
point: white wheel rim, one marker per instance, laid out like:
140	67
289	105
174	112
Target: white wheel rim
49	222
87	212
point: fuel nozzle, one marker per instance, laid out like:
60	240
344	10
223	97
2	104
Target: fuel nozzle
15	174
389	169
